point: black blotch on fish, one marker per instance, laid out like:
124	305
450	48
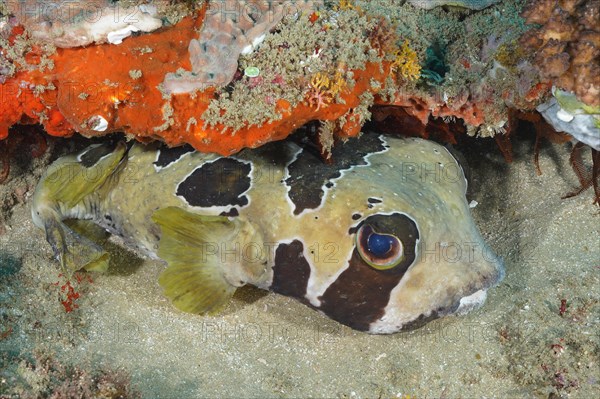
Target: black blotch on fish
291	270
276	154
233	212
95	153
374	200
359	295
420	321
219	183
308	174
167	156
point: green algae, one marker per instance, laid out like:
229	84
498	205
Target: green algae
435	68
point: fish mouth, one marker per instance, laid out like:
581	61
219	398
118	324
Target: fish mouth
465	305
477	297
471	297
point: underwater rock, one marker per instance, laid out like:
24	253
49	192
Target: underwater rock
330	66
127	93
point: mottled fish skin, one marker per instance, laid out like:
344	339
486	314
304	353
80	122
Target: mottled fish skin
307	216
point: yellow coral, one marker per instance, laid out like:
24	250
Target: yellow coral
508	55
406	62
347	5
337	84
323	89
319	81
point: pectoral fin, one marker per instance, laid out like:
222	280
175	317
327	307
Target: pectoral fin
194	280
63	187
73	250
69	181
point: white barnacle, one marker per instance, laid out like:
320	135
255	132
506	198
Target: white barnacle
564	115
117	36
98	123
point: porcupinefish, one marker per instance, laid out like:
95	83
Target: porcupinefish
382	240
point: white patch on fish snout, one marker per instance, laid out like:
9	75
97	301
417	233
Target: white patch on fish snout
471	302
387	325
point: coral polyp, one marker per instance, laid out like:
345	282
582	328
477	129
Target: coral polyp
406	62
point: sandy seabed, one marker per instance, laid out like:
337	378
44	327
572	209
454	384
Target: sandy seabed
266	345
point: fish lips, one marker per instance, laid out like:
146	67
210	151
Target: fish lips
462	293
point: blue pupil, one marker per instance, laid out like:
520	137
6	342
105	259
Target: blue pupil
379	244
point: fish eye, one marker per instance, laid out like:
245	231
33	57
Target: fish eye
378	250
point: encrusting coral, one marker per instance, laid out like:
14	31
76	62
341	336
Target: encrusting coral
230	28
205	78
75	24
567	45
323	89
406	62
